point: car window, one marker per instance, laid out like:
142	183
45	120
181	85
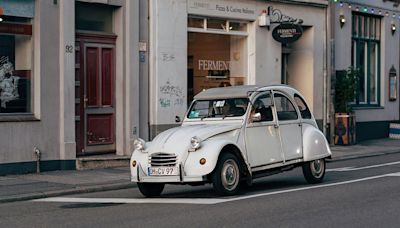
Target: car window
262	106
304	111
284	108
218	108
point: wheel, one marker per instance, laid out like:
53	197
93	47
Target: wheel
314	171
151	189
226	176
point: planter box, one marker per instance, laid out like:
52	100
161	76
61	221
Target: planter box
345	128
394	131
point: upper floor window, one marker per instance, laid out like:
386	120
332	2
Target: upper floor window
366	57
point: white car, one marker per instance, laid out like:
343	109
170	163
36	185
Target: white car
232	135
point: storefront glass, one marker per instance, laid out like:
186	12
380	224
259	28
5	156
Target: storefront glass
216	60
15	65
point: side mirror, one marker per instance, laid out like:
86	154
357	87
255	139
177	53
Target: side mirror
256	117
177	119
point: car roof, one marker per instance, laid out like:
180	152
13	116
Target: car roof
237	91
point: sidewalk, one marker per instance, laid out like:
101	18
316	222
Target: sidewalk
57	183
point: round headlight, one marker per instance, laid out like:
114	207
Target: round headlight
138	144
195	142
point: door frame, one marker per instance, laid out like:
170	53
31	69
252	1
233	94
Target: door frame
280	123
264	125
87	39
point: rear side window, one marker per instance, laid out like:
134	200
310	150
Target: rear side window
304	110
284	108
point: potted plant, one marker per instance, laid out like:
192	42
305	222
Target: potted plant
345	92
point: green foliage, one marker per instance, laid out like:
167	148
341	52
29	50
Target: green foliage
345	89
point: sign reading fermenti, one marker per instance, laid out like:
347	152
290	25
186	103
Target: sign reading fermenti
286	33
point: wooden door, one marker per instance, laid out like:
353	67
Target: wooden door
96	103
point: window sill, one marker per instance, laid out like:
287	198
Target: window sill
18	117
368	107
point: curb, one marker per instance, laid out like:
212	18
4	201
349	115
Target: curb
77	190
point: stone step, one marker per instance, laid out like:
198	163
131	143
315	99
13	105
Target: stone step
101	162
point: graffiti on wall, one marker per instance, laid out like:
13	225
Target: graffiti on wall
8	82
171	95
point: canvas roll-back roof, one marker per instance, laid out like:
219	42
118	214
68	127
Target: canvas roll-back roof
227	92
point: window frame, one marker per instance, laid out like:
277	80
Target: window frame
365	37
26	30
298	115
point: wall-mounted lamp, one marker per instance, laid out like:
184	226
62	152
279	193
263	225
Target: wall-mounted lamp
393	28
342	20
1	14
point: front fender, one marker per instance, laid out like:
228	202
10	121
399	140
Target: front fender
210	150
141	159
315	145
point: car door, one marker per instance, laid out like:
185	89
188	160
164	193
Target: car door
290	127
262	135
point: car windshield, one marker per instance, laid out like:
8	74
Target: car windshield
218	108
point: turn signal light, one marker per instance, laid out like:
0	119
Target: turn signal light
133	163
202	161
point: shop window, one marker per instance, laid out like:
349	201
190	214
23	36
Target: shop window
237	26
366	58
15	65
196	23
215	25
215	60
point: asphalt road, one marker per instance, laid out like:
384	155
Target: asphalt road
355	193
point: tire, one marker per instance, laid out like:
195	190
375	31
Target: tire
226	175
151	189
314	171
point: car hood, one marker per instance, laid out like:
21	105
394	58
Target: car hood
178	139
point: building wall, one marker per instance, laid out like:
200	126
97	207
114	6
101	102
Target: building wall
42	129
390	48
168	52
51	127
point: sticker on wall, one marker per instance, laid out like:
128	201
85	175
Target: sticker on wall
8	82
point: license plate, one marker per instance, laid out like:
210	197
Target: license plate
163	171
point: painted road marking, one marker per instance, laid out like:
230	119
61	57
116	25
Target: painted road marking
201	200
347	169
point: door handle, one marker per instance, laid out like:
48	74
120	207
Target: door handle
85	100
276	126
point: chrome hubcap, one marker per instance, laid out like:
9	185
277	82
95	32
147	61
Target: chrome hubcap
317	168
230	174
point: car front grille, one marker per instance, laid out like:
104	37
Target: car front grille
163	159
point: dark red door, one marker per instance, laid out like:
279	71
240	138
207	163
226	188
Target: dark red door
96	126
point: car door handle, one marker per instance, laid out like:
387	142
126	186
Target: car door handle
276	126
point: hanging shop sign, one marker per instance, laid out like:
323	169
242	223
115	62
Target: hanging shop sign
286	33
